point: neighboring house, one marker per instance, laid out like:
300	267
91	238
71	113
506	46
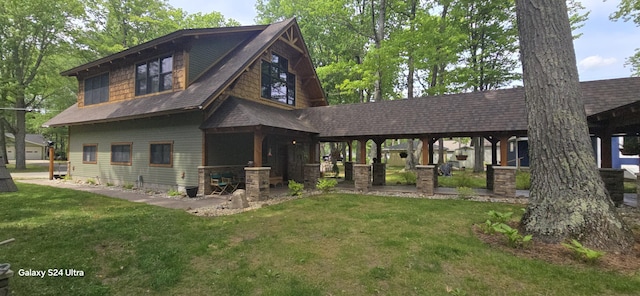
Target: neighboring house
158	111
35	147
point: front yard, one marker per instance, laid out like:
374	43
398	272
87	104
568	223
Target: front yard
333	244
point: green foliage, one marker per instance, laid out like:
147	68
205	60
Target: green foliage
514	238
409	177
326	185
499	217
583	252
464	192
91	181
128	186
173	192
295	188
523	180
109	184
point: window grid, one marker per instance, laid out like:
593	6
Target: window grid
121	153
277	83
90	153
161	154
155	75
96	89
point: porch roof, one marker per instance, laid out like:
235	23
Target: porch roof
496	112
235	112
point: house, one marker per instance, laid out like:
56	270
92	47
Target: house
35	147
247	101
158	113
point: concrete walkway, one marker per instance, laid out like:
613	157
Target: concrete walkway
130	195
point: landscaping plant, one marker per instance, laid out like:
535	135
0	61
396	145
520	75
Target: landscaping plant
295	188
583	252
326	185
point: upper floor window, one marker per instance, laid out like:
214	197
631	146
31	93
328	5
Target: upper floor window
96	89
155	75
277	83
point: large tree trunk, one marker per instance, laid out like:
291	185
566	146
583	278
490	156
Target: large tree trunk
568	198
478	154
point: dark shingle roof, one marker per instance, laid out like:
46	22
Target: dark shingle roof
490	112
196	96
236	112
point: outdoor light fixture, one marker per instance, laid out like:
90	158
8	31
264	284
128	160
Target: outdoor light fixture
50	143
294	142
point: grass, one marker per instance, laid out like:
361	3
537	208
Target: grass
334	244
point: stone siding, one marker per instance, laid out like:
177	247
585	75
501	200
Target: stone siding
379	174
257	183
311	175
614	183
504	184
427	179
362	177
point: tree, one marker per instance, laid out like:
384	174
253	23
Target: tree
629	10
31	31
568	198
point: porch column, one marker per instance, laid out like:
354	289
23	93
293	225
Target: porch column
379	168
362	154
311	175
313	151
432	150
258	137
257	183
427	179
494	150
426	149
605	151
504	180
350	151
504	144
362	178
614	183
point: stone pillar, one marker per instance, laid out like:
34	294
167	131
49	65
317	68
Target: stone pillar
504	181
348	171
614	183
427	179
257	183
490	177
379	174
311	175
4	283
362	177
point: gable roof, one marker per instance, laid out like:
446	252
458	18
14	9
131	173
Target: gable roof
235	112
198	95
34	139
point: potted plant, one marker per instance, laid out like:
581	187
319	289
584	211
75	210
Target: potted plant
630	145
461	141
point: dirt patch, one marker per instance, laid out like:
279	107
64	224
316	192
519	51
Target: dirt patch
628	263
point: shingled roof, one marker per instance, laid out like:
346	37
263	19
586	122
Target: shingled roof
496	112
196	96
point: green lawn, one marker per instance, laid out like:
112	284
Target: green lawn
335	244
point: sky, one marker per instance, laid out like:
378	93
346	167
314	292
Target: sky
601	52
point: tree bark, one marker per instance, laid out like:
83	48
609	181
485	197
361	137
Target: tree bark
568	199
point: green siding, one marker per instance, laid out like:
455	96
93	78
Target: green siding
181	129
207	51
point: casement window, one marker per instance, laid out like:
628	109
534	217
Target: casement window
161	154
276	82
90	153
155	75
121	153
96	89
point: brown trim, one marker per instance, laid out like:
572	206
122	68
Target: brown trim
170	165
130	144
96	152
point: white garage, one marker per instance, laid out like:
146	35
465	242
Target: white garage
35	147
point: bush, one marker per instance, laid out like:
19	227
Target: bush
295	188
409	177
523	180
582	252
326	185
173	192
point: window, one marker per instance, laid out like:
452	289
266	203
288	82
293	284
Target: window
96	89
90	153
121	153
277	83
161	154
154	76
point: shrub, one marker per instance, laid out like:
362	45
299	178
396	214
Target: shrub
91	181
465	192
409	177
523	180
583	252
295	188
173	192
326	185
127	186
